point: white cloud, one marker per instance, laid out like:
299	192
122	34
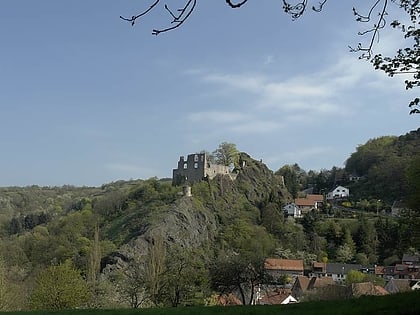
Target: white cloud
268	60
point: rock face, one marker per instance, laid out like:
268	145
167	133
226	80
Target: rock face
258	182
186	222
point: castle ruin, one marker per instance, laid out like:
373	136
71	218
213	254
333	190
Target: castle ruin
196	168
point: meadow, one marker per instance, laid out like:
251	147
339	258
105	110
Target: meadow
395	304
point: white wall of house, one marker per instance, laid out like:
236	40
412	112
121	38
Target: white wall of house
338	192
293	210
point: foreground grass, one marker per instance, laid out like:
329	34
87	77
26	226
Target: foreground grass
395	304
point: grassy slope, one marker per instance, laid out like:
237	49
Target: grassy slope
396	304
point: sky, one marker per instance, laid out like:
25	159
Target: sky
86	99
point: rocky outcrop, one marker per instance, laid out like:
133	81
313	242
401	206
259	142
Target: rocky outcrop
186	222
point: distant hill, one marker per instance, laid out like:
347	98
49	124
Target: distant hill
383	166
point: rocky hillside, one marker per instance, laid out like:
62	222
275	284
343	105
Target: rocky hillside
215	205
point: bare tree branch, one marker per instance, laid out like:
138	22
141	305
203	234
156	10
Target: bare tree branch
135	17
237	5
380	23
179	17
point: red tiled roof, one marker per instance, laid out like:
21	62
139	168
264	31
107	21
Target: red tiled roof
320	282
309	200
303	202
319	198
284	264
275	297
302	282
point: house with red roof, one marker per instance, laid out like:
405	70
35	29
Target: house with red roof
277	267
310	202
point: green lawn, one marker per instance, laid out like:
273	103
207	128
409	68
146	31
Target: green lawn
396	304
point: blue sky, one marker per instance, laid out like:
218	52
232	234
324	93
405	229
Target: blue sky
86	99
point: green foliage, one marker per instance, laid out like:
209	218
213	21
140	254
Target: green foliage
294	178
234	272
226	154
355	276
185	275
59	287
384	166
413	177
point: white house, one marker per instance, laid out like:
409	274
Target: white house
338	192
293	210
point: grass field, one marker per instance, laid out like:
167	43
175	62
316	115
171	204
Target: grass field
396	304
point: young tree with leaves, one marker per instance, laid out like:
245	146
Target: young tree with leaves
233	272
226	154
59	287
132	284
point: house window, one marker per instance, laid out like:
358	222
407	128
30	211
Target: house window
202	158
195	165
185	166
196	158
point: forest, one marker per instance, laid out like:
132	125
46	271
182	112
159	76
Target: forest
142	243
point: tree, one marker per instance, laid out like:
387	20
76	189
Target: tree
59	287
185	275
232	272
344	253
355	276
94	259
132	286
155	267
294	178
367	239
413	174
4	295
226	154
404	62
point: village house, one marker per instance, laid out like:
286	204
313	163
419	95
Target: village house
277	267
274	296
338	272
402	285
398	207
356	290
304	285
292	210
338	193
304	205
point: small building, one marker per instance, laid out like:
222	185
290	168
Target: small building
276	296
292	210
310	202
402	285
399	207
338	272
278	267
411	260
338	193
196	168
304	285
365	288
